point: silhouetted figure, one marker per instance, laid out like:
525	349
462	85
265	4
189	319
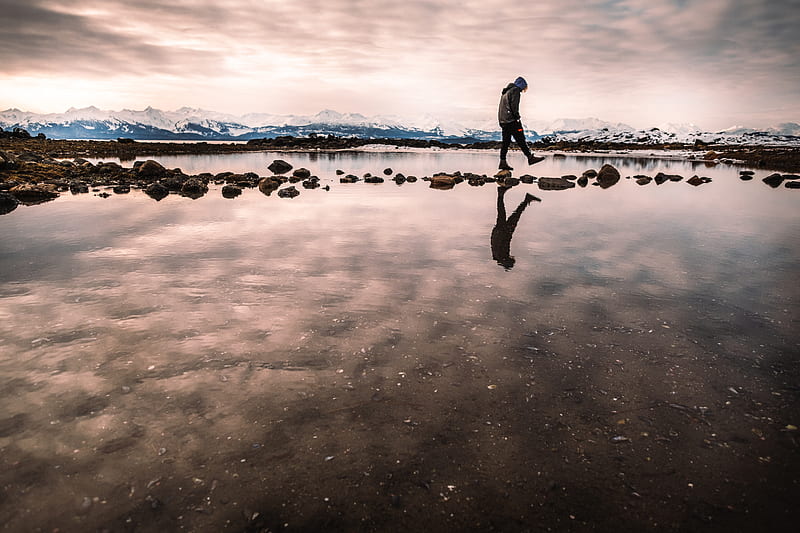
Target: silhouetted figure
504	228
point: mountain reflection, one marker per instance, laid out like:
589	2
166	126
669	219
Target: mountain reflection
504	228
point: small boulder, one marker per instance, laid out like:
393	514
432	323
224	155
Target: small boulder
288	192
34	193
387	171
643	180
194	188
555	184
373	179
151	170
302	173
792	185
268	185
773	180
695	181
590	174
8	203
350	178
279	166
156	191
231	191
503	174
443	182
607	176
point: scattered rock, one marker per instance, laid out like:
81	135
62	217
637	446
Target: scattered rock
231	191
279	166
792	185
8	202
527	178
773	180
34	193
268	185
643	180
302	173
607	176
373	179
503	174
122	188
387	171
589	174
288	192
311	184
350	178
156	191
570	177
695	181
339	172
194	188
555	184
150	170
710	156
443	182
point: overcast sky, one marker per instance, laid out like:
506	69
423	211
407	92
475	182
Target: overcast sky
715	63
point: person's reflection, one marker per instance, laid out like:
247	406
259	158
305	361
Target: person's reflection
504	228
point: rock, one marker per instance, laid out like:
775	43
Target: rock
589	174
231	191
34	193
773	180
373	179
288	192
570	177
279	166
792	185
156	191
411	179
527	179
150	170
607	176
746	173
350	178
503	174
125	140
122	188
339	172
78	187
387	171
443	182
791	177
510	182
583	181
268	185
399	179
661	178
194	188
302	173
643	180
311	183
555	184
695	181
8	202
710	156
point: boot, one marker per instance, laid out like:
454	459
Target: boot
504	165
532	159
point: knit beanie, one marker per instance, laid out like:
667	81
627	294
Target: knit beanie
521	83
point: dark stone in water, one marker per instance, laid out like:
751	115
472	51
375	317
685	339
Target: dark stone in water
792	185
350	178
583	181
555	184
302	173
570	177
156	191
373	179
695	181
643	180
150	169
339	172
268	185
7	203
78	187
607	176
590	174
122	188
773	180
231	191
527	179
279	166
194	188
288	192
387	171
311	184
411	179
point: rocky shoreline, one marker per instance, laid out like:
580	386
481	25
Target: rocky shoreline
37	170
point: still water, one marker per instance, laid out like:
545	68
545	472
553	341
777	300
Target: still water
372	358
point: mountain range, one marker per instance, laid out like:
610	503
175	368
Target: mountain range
196	125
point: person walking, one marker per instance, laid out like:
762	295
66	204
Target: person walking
510	122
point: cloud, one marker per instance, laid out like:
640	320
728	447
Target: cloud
445	57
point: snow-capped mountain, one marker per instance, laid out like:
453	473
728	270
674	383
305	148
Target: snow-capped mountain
189	123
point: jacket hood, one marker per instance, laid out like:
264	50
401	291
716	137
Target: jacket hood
508	87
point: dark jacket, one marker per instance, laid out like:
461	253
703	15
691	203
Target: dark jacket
509	105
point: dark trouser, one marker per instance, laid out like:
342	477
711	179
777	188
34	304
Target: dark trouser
514	130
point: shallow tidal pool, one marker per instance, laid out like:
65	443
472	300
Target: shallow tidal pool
377	357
